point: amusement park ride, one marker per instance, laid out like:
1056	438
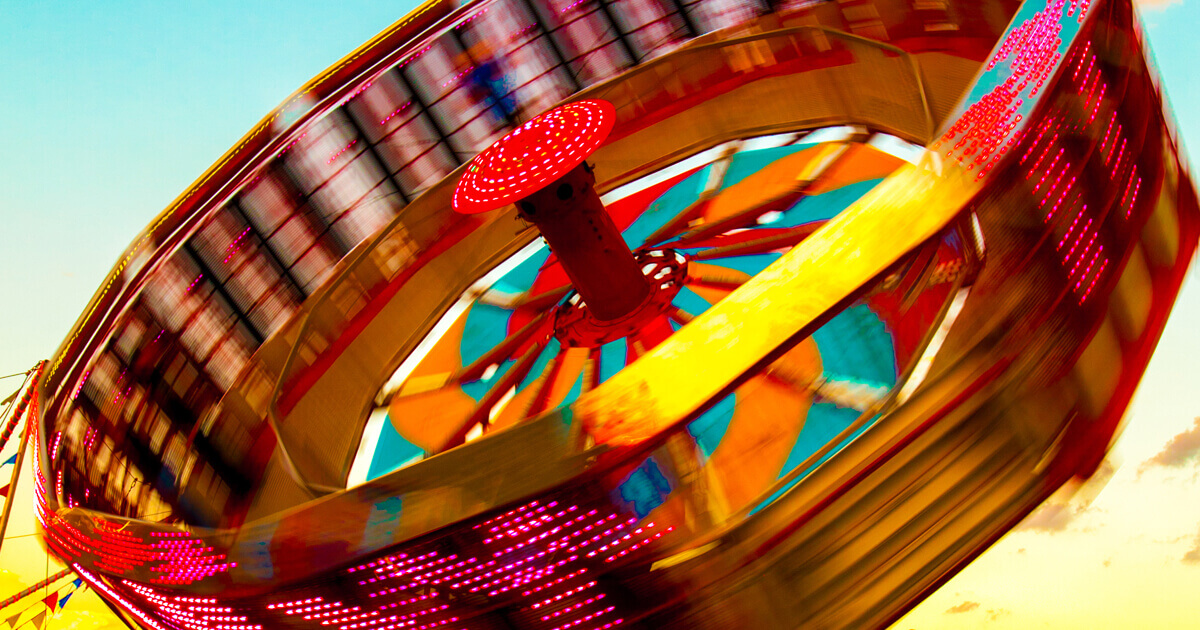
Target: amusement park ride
642	313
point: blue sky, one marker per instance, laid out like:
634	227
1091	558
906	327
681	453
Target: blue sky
111	109
117	108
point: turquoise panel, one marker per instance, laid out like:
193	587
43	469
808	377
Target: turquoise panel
552	348
857	345
666	207
612	358
381	522
824	206
752	265
485	328
521	278
824	422
573	395
644	489
391	452
826	427
487	325
711	426
747	163
690	302
479	389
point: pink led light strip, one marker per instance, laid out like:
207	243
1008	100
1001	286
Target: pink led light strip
191	613
535	552
1079	241
519	544
985	132
95	582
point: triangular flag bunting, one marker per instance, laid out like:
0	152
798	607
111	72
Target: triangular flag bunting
12	621
63	603
37	621
77	582
4	490
11	460
51	600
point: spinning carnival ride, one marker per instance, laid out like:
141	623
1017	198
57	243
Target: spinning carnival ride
750	314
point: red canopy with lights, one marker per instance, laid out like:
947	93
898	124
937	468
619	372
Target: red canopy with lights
533	155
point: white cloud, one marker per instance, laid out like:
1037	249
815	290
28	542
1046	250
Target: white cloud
1181	450
1069	503
1193	555
962	608
1051	517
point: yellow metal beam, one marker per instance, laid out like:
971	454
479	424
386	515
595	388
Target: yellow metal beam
763	315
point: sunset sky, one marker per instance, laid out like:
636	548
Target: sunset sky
112	109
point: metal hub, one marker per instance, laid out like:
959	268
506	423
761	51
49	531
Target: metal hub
665	271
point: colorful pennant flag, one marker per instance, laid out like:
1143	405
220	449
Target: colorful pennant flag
12	621
77	582
4	490
51	601
11	460
63	602
37	621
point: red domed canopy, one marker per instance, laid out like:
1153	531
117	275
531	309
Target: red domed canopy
533	155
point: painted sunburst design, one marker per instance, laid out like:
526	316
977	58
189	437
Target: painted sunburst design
727	215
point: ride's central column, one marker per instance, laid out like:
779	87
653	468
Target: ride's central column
582	235
540	167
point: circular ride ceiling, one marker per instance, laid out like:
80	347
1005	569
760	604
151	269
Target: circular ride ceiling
518	347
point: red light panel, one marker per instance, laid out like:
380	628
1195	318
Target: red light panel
533	155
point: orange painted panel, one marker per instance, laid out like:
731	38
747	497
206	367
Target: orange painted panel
776	179
770	413
861	162
429	419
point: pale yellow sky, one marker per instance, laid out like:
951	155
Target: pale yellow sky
1122	560
1118	564
23	562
